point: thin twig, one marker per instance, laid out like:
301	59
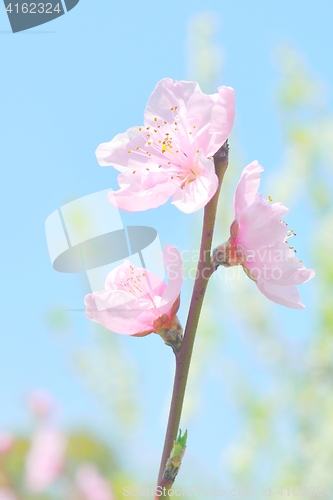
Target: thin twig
183	357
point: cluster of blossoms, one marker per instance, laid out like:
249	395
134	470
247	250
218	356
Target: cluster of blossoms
172	154
45	462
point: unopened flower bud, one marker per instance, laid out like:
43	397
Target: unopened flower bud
173	464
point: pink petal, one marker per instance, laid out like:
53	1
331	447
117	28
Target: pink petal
260	224
155	159
174	265
279	265
6	442
196	194
136	196
41	402
147	280
45	459
287	296
135	297
116	153
247	187
213	117
7	494
91	484
123	318
168	94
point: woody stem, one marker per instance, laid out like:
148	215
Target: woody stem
183	357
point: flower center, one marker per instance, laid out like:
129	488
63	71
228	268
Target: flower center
135	284
172	146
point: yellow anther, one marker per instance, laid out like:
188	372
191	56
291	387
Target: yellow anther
155	119
138	147
270	198
149	143
129	151
140	128
291	247
171	109
165	148
165	122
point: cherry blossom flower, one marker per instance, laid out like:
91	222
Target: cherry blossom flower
45	459
258	242
171	154
7	494
6	442
41	402
91	485
135	301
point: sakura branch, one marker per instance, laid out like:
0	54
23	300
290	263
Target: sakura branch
181	151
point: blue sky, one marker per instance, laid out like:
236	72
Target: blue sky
78	81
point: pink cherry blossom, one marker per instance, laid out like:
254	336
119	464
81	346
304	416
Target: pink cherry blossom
135	301
258	242
7	494
91	484
45	459
171	154
41	402
6	442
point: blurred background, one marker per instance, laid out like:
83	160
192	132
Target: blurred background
83	411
